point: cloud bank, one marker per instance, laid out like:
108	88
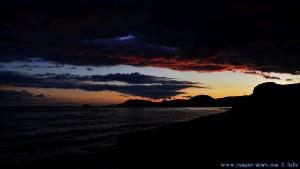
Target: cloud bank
134	84
215	35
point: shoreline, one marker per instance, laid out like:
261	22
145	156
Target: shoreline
249	132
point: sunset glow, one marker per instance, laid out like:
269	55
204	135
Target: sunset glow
95	53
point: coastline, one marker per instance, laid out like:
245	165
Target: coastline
262	128
255	131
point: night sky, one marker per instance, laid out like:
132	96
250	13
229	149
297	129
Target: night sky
102	52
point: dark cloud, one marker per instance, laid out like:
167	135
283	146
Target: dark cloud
214	35
28	66
265	75
90	69
25	80
130	78
151	91
271	77
37	66
136	84
17	96
289	80
40	95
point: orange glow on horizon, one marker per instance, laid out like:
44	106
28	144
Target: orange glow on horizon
216	85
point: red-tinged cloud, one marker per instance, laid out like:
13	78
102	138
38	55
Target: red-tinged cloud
214	36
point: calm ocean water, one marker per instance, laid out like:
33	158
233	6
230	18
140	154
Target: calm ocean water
37	133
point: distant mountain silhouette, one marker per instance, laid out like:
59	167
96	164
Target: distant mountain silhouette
197	101
261	128
202	99
137	103
85	106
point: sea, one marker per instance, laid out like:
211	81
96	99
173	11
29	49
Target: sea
28	134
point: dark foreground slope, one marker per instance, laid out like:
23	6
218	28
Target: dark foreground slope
264	128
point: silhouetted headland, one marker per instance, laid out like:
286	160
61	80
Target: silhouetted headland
197	101
262	128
